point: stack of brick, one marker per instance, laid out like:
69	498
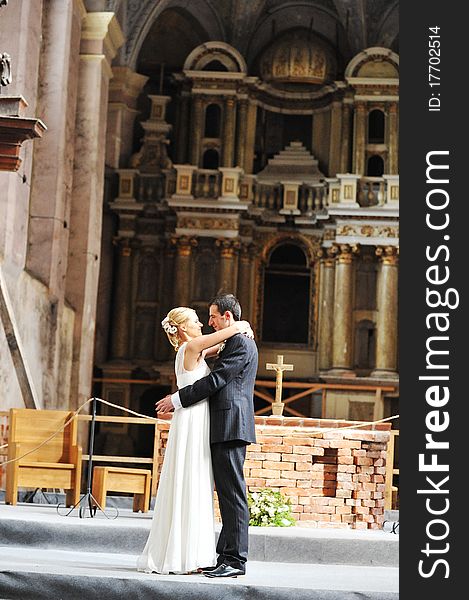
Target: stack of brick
332	478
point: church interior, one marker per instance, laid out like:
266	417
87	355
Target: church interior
188	148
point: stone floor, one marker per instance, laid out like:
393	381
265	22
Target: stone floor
45	555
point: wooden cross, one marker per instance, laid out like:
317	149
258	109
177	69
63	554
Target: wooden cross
279	367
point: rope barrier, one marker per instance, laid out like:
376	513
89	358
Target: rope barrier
361	424
123	408
132	412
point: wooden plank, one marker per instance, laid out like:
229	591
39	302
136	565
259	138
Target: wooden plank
110	419
388	485
265	397
118	459
138	381
327	386
297	396
294	412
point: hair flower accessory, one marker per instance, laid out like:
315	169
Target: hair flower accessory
171	329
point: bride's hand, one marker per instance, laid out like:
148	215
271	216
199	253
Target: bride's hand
244	327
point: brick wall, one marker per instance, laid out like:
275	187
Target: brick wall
333	478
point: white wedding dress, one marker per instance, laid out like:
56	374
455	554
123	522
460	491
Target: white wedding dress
182	536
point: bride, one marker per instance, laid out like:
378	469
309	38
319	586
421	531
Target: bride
182	535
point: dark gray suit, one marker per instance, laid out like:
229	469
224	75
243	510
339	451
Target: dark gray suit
230	389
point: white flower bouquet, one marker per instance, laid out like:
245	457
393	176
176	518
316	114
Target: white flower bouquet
268	508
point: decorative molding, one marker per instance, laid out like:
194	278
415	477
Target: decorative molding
210	223
367	230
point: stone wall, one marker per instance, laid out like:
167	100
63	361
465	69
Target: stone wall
333	478
46	331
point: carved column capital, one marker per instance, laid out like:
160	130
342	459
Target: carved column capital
184	244
228	248
345	253
125	245
389	255
327	255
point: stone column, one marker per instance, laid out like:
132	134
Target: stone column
120	327
164	350
182	128
228	277
250	138
335	143
101	36
359	132
393	142
229	132
326	307
124	90
343	290
53	157
345	144
196	130
242	132
183	269
386	334
244	280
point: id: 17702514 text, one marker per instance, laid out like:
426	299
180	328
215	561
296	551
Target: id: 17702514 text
434	60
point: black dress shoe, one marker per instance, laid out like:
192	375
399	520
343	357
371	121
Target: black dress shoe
225	571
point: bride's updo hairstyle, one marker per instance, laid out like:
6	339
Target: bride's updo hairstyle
173	320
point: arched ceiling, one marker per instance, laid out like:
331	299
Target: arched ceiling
170	40
250	25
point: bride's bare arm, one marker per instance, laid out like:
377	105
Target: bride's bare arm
212	351
203	342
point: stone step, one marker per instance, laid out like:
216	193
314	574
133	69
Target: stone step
391	515
71	575
40	526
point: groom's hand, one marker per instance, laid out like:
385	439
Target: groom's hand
164	405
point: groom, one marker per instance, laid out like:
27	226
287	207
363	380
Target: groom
230	388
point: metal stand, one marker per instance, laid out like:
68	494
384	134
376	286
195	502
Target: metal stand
88	502
391	526
29	497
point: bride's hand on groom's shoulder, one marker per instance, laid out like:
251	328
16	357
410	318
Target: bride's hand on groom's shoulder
164	405
245	328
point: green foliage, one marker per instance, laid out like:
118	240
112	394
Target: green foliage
268	508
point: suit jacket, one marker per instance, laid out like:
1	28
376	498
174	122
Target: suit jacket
230	389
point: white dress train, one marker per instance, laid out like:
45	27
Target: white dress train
182	535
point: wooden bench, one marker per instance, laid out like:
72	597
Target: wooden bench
121	479
56	464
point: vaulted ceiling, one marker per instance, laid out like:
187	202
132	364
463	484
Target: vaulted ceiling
173	27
